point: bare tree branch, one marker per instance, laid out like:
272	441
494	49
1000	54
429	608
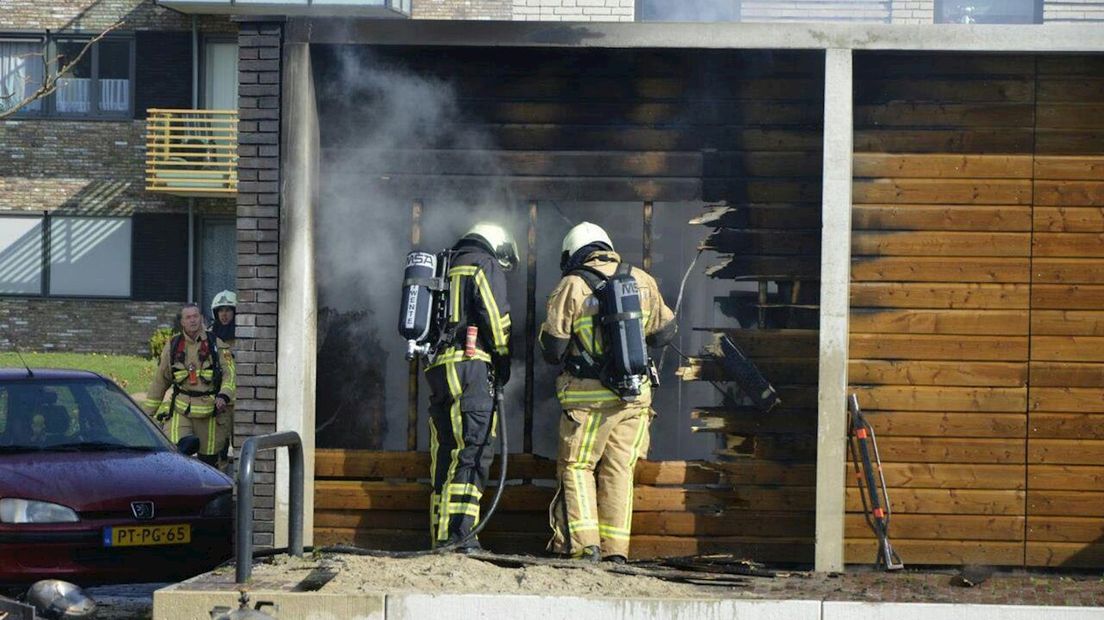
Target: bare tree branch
50	82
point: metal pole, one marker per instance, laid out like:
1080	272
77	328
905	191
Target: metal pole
243	539
191	201
412	377
243	553
647	262
191	252
530	324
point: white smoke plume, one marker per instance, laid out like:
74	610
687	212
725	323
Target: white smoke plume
384	130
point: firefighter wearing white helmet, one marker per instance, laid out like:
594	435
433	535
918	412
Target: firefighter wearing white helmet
476	339
607	411
224	311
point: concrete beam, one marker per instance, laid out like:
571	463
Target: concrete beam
296	350
835	278
730	35
414	605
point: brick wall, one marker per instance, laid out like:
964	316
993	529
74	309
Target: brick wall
85	167
94	15
1073	11
913	11
462	9
83	325
866	11
258	238
574	10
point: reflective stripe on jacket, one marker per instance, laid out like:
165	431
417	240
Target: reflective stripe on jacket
477	296
170	372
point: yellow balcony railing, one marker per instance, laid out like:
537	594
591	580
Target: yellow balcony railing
192	152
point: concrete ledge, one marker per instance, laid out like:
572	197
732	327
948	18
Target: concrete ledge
173	603
843	610
420	606
178	603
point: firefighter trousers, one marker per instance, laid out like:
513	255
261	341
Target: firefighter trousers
461	426
213	432
593	505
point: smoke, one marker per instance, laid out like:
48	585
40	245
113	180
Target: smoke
392	133
392	137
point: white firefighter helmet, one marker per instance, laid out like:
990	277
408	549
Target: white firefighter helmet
582	235
224	298
496	239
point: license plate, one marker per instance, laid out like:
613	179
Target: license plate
146	535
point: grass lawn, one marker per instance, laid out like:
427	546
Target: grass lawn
132	373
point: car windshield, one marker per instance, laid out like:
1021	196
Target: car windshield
73	415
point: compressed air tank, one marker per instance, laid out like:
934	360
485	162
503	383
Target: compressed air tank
416	311
622	319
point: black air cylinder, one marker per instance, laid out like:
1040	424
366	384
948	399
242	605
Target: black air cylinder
416	311
622	316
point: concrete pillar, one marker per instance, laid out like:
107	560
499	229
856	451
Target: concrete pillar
297	340
835	277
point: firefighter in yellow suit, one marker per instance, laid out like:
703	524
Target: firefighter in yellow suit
199	370
461	404
601	435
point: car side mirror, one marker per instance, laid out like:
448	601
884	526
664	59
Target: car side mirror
188	445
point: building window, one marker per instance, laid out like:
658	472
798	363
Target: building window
90	256
21	66
688	10
65	256
21	255
99	85
216	258
989	11
220	74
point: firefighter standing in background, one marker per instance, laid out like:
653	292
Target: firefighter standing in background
461	402
224	312
602	432
199	370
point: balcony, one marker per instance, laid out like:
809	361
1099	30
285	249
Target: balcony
192	152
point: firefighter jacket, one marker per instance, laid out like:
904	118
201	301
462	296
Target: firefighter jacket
188	369
477	296
572	309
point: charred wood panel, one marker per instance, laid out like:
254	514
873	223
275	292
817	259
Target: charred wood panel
741	129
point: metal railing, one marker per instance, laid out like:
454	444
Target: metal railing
243	551
192	152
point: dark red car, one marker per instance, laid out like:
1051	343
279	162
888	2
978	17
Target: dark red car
91	491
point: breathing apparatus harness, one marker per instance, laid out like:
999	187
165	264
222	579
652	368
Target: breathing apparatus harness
208	350
425	323
624	364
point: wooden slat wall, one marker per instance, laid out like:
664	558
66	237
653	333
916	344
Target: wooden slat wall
940	300
380	500
673	125
977	288
1065	442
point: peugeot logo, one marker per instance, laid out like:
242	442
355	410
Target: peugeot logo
143	511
